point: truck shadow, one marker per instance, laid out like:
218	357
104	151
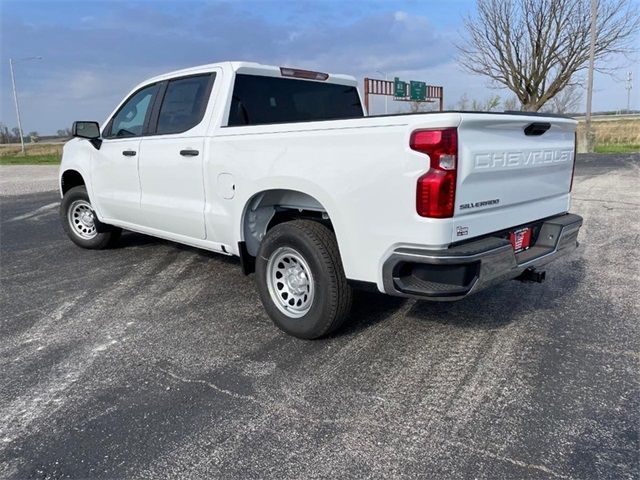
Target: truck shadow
490	309
369	309
133	240
505	303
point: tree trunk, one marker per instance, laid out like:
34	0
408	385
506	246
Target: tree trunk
531	107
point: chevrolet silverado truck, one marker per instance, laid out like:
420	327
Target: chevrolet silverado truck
283	168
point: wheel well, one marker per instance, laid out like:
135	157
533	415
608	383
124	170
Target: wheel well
70	179
267	209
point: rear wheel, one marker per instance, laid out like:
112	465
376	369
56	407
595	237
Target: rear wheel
81	224
301	281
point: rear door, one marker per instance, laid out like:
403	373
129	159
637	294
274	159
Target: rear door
171	158
512	169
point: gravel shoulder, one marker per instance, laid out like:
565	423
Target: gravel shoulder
27	179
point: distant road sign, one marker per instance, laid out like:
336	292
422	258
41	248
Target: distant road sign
399	88
418	91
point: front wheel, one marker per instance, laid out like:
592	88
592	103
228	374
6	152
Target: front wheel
80	223
301	280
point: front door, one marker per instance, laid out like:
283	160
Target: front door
171	159
115	181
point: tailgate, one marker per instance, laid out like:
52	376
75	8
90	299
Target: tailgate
512	169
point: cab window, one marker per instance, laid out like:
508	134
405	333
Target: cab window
184	103
130	119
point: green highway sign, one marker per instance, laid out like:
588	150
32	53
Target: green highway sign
418	90
399	88
402	91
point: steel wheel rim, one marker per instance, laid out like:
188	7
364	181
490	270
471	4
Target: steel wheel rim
82	219
290	282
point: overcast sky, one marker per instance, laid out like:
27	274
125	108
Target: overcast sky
95	52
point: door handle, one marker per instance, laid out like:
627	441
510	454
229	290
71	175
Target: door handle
129	153
189	153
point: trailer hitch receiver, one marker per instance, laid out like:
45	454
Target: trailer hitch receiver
532	275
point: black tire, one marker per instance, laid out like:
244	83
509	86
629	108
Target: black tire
104	235
332	296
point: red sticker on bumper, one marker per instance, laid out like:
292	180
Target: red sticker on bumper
520	239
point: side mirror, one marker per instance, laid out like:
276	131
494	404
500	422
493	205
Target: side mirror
89	130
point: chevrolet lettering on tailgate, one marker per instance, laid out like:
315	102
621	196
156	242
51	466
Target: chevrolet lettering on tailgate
521	158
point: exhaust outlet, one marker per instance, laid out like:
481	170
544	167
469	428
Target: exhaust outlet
532	275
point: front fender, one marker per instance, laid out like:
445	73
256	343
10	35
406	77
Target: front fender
77	155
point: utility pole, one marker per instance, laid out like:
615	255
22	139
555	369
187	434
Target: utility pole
386	97
592	50
629	86
15	99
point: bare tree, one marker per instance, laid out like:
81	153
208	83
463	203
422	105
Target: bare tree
511	104
415	107
5	136
488	105
536	47
567	101
463	103
492	103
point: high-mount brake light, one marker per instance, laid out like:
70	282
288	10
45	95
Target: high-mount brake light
297	73
436	189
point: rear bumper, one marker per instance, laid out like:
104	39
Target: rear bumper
459	271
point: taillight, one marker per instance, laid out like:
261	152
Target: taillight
436	189
575	156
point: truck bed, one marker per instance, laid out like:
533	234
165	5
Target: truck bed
364	174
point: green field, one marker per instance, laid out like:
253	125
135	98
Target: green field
618	148
50	159
615	136
35	154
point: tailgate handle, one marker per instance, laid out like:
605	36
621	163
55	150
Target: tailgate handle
536	129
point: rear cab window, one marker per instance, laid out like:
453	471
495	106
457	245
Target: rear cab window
184	103
259	100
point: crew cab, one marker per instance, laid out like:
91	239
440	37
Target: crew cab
283	168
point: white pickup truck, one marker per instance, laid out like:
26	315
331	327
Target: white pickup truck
283	168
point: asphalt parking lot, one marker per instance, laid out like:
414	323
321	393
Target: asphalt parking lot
154	360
